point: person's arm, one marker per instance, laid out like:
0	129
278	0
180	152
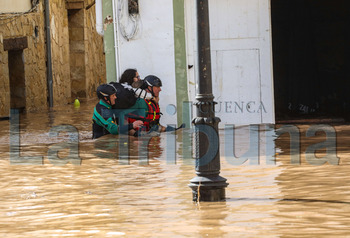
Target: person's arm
136	131
162	128
110	123
141	93
116	129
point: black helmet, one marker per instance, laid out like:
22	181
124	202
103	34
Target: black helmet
105	90
152	80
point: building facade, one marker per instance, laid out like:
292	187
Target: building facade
37	69
161	39
272	60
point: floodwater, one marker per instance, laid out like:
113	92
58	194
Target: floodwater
56	181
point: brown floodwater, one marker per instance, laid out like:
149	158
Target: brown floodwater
57	181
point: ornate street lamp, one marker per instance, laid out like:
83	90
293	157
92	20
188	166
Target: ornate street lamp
208	185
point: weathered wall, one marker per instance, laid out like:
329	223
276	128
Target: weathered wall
32	26
4	80
60	52
87	60
34	57
95	58
77	52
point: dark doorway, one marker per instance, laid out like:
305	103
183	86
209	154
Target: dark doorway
17	79
311	48
77	53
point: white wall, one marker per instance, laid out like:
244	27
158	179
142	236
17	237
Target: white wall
241	55
151	51
15	5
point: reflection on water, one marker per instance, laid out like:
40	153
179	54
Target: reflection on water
138	187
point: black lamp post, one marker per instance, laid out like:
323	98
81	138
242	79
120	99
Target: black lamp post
208	185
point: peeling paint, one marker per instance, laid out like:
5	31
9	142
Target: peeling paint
108	20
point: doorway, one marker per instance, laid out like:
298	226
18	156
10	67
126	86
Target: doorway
310	41
77	52
17	79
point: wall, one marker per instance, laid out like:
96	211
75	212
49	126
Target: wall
60	53
95	58
151	50
15	5
77	52
34	57
32	26
87	59
241	59
108	28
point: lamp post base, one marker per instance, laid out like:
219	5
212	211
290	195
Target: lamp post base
208	189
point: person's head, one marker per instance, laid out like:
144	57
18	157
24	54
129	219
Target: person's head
154	84
107	93
129	76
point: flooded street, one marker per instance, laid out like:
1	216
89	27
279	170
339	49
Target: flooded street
117	186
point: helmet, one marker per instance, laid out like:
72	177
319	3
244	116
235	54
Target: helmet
105	90
152	80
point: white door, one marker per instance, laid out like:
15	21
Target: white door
241	55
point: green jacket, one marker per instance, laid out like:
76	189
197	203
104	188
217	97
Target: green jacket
105	120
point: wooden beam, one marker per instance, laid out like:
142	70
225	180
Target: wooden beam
74	4
19	43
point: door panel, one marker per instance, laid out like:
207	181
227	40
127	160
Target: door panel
241	59
236	82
